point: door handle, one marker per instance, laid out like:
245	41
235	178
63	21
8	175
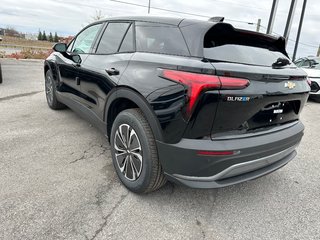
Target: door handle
112	71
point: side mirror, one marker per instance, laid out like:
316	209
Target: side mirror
76	58
60	47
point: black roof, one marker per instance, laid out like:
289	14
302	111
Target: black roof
156	19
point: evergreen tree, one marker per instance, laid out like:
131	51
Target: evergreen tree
40	36
56	38
44	36
50	37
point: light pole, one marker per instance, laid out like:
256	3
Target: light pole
149	7
272	16
299	30
289	20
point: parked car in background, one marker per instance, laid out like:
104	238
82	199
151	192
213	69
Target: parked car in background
311	65
200	103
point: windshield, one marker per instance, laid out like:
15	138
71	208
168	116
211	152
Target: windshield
243	54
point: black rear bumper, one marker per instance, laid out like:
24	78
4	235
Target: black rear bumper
254	155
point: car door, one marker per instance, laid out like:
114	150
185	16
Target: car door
102	69
81	45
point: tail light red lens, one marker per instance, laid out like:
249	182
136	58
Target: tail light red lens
197	83
309	81
215	153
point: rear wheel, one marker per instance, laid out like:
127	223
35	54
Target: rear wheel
50	88
134	152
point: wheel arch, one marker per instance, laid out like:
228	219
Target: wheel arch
124	98
49	65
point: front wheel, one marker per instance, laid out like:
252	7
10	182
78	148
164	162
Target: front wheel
134	152
50	88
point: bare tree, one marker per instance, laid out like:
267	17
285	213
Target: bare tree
98	15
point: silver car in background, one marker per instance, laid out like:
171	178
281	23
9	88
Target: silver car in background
311	65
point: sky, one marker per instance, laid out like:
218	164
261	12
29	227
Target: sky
67	17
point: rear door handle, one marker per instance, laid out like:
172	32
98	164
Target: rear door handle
112	71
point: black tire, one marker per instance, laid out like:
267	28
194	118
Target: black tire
50	89
315	98
151	175
0	74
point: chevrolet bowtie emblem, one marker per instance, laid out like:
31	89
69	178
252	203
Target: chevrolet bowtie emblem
290	85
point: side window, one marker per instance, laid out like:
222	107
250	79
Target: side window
160	39
112	37
84	40
127	43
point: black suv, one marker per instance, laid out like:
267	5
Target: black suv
199	103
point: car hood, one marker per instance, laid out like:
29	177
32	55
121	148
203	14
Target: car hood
312	72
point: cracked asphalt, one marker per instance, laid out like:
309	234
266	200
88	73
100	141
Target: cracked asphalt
57	182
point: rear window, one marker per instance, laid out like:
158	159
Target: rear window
225	43
315	63
160	39
243	54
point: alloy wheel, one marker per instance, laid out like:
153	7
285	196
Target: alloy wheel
128	152
49	89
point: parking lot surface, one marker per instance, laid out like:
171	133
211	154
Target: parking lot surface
57	182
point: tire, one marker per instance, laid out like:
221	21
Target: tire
0	74
131	124
50	89
315	98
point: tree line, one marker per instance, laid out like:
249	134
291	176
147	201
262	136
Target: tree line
42	36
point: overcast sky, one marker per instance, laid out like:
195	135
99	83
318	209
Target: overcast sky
67	17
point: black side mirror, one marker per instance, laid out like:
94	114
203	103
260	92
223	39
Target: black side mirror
60	47
76	58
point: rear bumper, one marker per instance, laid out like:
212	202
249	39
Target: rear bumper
254	156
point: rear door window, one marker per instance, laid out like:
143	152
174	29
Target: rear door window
112	37
160	38
127	44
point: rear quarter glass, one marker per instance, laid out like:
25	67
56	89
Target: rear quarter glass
160	38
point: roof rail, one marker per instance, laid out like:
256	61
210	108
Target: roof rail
216	19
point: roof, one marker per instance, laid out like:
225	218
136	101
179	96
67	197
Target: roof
156	19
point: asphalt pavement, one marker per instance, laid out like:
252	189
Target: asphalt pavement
57	182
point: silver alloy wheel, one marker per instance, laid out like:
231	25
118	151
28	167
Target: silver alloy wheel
128	152
49	89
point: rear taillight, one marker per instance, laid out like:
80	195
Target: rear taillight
309	81
198	83
215	153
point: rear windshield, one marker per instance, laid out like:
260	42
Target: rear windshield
315	63
160	39
225	43
243	54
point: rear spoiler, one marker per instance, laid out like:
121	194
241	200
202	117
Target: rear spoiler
224	33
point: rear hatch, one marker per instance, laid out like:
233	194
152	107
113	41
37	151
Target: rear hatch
277	91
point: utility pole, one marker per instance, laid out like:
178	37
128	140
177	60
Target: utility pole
318	53
272	16
289	20
149	6
258	25
299	30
